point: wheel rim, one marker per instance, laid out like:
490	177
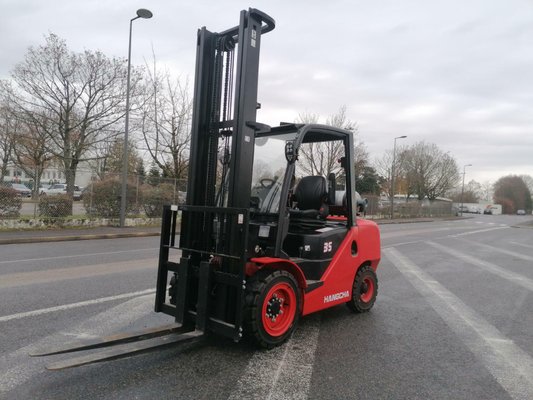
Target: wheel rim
367	290
279	309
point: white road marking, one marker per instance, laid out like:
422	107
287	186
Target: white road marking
55	275
487	266
402	244
403	232
17	367
75	305
508	252
509	364
284	372
77	255
478	231
527	246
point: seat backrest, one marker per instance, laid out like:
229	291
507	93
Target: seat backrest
311	193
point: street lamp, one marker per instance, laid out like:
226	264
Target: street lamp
463	189
141	13
392	176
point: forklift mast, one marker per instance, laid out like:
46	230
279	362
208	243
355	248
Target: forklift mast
224	113
208	284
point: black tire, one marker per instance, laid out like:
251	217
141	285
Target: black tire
364	291
277	293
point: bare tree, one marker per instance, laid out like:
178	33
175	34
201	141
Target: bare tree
115	155
9	127
322	158
76	99
487	190
472	193
308	117
513	194
403	179
165	122
475	188
528	180
431	172
464	197
383	166
31	153
99	157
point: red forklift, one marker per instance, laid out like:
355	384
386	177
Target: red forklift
258	243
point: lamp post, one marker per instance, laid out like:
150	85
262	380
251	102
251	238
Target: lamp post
463	189
141	13
392	176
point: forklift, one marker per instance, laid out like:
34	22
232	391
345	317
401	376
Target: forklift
258	243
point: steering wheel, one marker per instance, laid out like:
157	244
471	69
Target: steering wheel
267	182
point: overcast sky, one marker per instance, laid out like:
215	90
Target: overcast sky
457	73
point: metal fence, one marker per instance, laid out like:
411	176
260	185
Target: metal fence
98	203
379	208
100	199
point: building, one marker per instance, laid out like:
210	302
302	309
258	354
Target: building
50	175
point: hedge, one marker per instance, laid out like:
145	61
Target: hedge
102	199
10	203
57	206
155	197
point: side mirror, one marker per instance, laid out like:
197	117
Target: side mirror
291	154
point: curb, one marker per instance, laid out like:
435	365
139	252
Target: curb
415	221
397	222
65	238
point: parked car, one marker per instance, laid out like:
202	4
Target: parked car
57	188
61	188
487	211
78	192
22	190
520	212
43	189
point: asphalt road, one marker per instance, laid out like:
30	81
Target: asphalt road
452	320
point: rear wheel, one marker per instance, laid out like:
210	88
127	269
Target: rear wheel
272	307
364	290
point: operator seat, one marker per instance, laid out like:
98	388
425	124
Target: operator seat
311	196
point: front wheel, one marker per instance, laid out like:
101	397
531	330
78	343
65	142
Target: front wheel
272	307
364	290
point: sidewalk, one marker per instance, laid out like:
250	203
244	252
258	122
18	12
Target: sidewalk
109	232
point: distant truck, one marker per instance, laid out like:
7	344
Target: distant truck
470	209
479	208
492	209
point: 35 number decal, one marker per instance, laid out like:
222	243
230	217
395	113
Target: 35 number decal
328	246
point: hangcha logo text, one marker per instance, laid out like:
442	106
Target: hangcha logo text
336	296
